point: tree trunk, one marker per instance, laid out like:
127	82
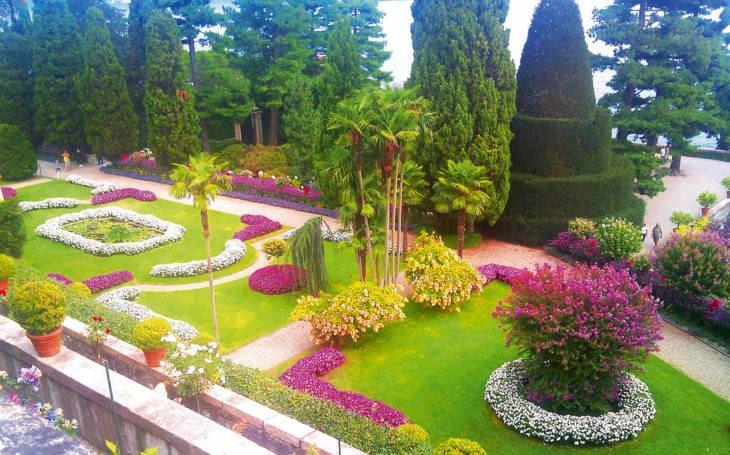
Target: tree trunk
377	270
258	130
406	215
676	164
402	230
273	126
642	13
387	226
206	233
357	223
367	223
652	141
460	232
237	131
394	256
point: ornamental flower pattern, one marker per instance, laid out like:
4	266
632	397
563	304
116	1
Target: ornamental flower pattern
50	203
100	282
234	251
303	376
96	187
277	279
258	225
53	230
505	393
116	195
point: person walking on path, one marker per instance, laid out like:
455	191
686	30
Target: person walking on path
66	159
644	231
656	234
58	170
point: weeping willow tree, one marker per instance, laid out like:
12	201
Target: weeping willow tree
306	248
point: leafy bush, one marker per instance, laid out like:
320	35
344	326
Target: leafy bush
648	173
275	248
360	307
136	158
701	224
39	307
455	446
234	155
267	159
12	228
440	278
7	267
147	335
202	339
118	234
581	328
726	183
17	158
471	240
618	238
582	228
707	198
81	288
695	262
680	218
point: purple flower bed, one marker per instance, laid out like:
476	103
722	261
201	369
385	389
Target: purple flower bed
257	226
100	282
277	279
303	377
8	192
267	187
111	196
499	272
137	175
582	249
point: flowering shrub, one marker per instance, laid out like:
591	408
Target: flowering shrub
505	393
53	229
116	195
50	203
499	272
303	376
277	279
194	368
97	331
456	446
122	300
722	229
100	282
258	225
582	228
233	251
582	329
8	192
360	307
618	238
440	278
96	187
584	249
696	262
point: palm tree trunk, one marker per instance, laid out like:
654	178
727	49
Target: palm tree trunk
387	227
402	231
206	233
394	237
460	231
367	222
406	216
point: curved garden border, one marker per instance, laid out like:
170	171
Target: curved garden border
52	229
504	393
96	187
50	203
234	251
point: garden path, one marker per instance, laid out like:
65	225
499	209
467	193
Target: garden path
696	358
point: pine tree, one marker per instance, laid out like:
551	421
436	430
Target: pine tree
56	61
224	91
463	67
172	121
16	81
365	19
109	120
555	78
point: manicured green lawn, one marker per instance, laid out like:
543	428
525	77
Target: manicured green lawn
54	188
244	315
433	366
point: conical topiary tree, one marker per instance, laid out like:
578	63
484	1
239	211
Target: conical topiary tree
555	79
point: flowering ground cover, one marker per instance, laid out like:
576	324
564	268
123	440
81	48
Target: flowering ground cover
433	368
97	229
98	283
277	279
8	192
111	196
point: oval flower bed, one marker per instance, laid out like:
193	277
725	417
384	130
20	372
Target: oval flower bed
504	392
53	229
277	279
111	196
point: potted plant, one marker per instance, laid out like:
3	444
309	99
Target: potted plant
40	307
7	268
147	335
706	199
726	183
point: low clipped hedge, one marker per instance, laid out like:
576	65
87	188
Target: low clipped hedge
561	147
717	155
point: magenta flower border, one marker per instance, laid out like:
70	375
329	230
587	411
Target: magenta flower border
100	282
8	192
277	279
116	195
499	272
258	225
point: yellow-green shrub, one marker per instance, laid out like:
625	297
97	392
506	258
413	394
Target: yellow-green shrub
39	307
81	288
455	446
148	333
7	266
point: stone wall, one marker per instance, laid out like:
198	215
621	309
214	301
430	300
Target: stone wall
720	211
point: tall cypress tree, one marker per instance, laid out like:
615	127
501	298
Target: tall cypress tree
297	119
134	61
56	61
109	120
16	63
555	78
463	67
172	121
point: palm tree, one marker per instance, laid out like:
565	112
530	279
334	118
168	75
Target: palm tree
460	188
413	191
203	180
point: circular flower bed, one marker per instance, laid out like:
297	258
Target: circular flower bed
505	394
276	279
53	229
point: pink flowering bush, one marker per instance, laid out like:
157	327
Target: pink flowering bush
277	279
583	248
581	328
303	376
116	195
258	225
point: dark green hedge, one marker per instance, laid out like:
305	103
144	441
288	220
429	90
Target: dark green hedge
561	147
12	228
540	207
708	154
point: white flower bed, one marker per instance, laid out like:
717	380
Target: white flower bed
233	252
122	300
505	394
53	229
327	234
96	187
50	203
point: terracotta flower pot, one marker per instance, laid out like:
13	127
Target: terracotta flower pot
705	211
154	357
4	286
49	344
